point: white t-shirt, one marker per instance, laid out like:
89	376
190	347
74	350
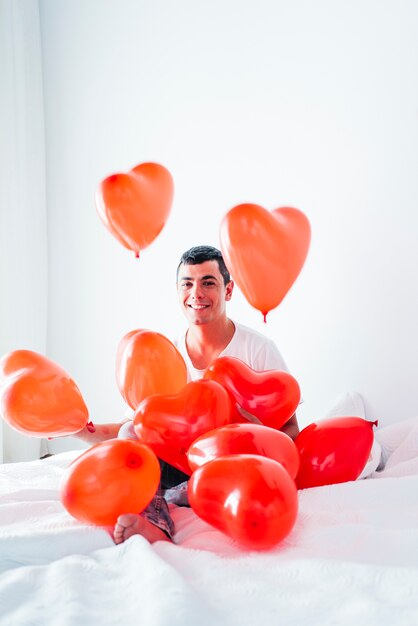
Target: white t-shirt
256	350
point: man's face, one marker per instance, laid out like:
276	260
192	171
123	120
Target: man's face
202	292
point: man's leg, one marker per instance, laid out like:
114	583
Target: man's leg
154	523
133	524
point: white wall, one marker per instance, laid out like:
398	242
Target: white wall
312	104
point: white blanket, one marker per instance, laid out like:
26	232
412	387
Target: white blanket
352	558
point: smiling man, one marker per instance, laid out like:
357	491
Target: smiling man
204	286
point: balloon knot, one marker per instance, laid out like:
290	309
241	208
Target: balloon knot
264	317
91	427
137	254
133	460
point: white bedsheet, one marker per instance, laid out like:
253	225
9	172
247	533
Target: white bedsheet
352	558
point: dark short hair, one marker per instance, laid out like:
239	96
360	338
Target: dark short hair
200	254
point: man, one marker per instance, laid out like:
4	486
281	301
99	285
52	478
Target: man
204	286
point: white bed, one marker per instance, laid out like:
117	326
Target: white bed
352	557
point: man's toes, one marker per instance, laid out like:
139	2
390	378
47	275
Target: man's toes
118	533
127	519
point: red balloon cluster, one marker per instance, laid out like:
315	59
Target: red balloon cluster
242	474
178	426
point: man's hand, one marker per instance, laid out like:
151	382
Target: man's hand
248	416
96	433
291	428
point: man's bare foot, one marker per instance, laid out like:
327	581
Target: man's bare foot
133	524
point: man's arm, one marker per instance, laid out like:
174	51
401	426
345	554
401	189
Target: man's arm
96	433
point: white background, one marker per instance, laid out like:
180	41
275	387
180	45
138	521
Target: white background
307	104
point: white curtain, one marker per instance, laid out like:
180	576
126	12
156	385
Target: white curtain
23	216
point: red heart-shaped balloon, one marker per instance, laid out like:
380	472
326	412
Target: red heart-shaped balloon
38	397
334	450
264	251
148	363
250	498
111	478
271	396
135	206
245	439
170	424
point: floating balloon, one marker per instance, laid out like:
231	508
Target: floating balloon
147	363
170	424
334	450
38	397
271	396
245	439
250	498
264	251
111	478
135	206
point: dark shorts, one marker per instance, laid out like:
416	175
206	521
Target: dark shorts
172	489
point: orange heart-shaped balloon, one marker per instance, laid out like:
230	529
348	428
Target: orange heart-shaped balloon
264	251
271	396
170	424
135	206
245	439
250	498
39	398
111	478
147	363
334	450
